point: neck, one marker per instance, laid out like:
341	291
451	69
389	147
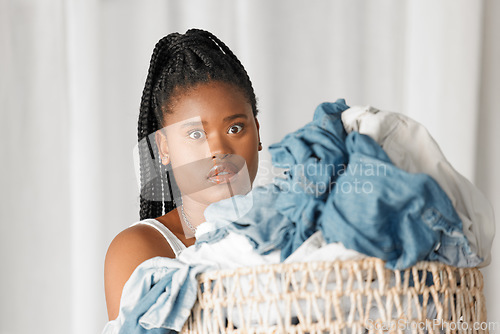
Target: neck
193	211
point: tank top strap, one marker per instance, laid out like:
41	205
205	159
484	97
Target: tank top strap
174	242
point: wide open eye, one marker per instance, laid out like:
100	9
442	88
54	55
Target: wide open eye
235	128
196	134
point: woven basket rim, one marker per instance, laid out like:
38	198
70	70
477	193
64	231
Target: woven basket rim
245	270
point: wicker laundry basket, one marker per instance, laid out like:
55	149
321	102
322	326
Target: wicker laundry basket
359	296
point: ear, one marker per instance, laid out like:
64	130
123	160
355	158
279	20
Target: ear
258	133
161	143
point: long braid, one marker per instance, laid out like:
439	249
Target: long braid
178	62
147	122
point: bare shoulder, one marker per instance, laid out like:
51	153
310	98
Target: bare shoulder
138	242
129	249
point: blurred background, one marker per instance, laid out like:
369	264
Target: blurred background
71	78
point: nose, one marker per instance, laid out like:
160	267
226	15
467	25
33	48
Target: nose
219	146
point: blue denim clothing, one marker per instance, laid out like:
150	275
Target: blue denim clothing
383	211
410	147
315	153
335	185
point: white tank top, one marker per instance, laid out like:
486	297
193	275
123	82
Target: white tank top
174	242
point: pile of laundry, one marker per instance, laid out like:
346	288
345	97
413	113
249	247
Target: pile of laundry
359	182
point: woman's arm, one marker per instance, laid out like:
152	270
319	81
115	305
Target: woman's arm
128	250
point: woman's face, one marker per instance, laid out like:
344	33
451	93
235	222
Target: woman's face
212	141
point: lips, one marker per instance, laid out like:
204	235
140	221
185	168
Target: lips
222	172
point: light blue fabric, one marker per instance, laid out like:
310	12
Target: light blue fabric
264	226
157	298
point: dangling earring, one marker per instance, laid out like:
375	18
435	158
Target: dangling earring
164	159
260	146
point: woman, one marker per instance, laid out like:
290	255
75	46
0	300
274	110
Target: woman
198	122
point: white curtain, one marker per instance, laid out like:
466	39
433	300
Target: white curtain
71	77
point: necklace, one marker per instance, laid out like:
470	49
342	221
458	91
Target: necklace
186	220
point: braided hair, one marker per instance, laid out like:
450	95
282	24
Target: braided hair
179	62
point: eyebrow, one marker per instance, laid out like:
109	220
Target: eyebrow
235	116
194	123
226	119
